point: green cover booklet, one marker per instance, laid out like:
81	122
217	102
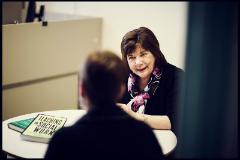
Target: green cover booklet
20	125
42	128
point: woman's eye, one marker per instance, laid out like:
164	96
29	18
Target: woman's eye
143	54
131	58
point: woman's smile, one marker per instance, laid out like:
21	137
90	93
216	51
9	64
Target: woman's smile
141	69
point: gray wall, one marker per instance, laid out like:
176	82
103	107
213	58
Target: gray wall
12	11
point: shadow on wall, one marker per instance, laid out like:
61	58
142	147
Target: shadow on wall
208	112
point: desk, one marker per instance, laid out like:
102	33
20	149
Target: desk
14	145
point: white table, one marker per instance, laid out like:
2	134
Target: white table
14	145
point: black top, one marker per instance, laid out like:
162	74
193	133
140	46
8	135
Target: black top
165	100
106	133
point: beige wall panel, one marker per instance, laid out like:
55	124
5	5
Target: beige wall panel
31	51
40	63
54	94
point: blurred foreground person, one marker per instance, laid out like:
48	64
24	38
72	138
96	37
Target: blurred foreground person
106	131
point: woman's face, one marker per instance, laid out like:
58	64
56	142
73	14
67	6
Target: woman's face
141	62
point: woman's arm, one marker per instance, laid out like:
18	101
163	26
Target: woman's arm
154	121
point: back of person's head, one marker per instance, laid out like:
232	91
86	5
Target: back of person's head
146	38
103	77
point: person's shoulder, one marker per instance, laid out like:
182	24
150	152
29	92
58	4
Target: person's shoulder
172	74
172	68
173	71
69	131
63	132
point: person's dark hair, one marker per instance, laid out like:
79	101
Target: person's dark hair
104	75
146	38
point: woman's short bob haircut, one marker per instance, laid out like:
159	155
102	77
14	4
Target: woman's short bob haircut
147	40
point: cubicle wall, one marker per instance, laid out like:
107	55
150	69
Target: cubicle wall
40	63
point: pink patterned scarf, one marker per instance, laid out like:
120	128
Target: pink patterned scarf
141	97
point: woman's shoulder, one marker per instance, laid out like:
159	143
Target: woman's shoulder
172	68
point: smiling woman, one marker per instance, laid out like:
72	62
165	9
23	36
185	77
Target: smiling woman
141	62
153	83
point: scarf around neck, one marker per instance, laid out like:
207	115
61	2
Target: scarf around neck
140	98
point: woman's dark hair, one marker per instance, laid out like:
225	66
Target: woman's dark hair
103	76
147	40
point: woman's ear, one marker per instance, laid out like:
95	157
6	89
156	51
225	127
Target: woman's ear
82	97
82	89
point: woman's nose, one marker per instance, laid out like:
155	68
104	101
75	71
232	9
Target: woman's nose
138	61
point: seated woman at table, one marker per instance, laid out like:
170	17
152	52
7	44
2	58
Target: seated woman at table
153	84
105	131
